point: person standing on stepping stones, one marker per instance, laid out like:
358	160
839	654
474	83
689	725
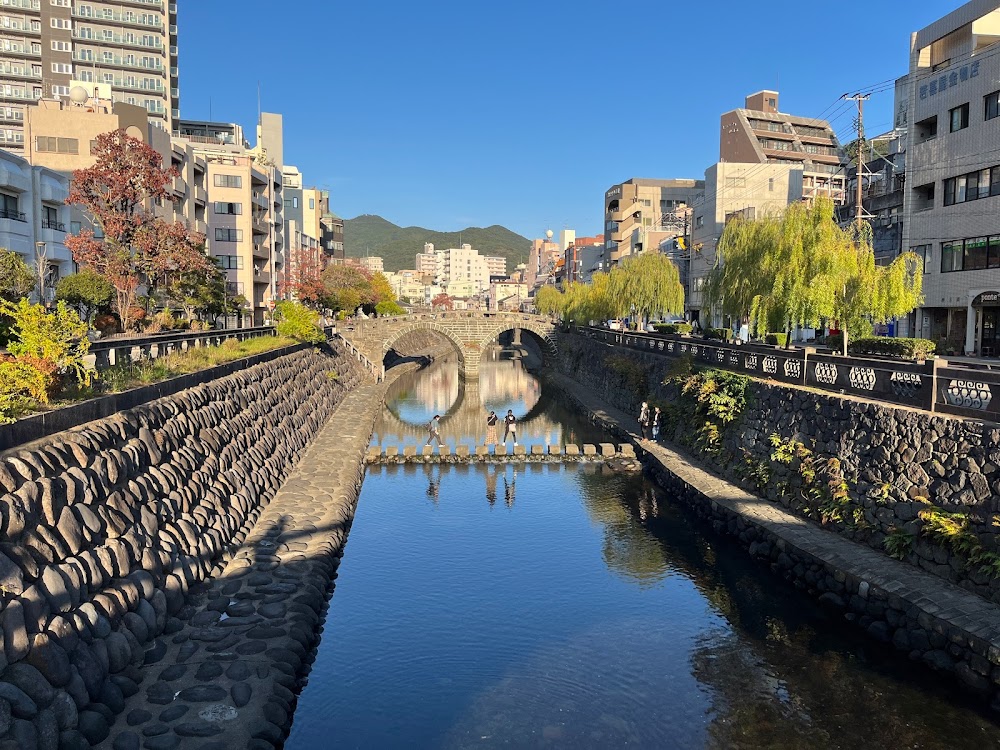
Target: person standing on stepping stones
491	428
510	427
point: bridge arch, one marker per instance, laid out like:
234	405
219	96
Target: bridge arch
543	334
424	325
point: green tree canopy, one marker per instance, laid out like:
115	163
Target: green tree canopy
650	283
16	279
87	291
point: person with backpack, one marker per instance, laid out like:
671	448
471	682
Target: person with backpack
434	431
510	427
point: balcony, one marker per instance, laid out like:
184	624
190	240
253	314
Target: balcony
57	226
25	4
261	278
20	74
260	201
117	40
261	225
180	186
119	19
135	85
261	251
201	195
119	62
12	215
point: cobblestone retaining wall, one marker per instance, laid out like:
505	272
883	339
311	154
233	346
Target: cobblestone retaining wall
105	527
896	461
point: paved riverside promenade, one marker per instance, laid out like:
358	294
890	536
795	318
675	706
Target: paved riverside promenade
931	620
226	672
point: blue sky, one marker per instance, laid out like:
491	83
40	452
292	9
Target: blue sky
452	113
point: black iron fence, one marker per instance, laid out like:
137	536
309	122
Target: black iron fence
934	385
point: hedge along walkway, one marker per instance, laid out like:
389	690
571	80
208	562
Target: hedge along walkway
228	673
932	616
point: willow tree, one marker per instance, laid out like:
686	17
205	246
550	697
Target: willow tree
591	301
648	283
745	268
550	301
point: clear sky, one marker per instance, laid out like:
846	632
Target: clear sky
451	113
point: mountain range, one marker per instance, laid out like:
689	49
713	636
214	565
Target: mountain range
398	246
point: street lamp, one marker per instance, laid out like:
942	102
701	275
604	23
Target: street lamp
41	268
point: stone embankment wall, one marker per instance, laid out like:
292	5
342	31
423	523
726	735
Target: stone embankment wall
105	527
897	461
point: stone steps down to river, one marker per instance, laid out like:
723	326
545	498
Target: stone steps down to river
106	528
929	619
620	456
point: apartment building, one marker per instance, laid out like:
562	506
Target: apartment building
373	263
48	47
542	258
952	188
761	134
427	261
34	217
60	136
634	212
331	231
496	265
246	225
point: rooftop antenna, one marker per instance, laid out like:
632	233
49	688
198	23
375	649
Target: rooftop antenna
258	102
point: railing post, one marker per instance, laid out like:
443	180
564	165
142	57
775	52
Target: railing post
806	351
932	375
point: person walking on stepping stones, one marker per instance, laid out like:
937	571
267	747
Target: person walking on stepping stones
434	431
510	427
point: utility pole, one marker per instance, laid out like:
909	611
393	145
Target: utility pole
860	156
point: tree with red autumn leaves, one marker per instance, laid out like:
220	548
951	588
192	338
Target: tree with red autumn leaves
303	278
442	302
137	247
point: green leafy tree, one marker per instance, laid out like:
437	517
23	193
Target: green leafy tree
201	293
550	301
349	287
295	320
800	268
389	308
648	283
16	278
87	291
53	342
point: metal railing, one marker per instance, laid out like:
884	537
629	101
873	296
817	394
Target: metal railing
935	385
56	225
15	215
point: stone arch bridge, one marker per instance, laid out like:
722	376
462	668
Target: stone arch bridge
470	331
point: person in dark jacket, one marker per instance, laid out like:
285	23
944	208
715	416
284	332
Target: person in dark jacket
510	426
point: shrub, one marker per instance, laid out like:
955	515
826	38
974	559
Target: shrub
673	328
632	373
87	291
295	320
776	339
388	308
54	341
106	324
22	388
899	348
719	334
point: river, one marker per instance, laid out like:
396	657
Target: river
568	606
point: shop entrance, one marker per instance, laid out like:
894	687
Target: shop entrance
989	305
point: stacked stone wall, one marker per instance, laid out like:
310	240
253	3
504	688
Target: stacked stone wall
897	461
105	527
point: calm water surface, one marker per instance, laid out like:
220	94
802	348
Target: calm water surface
565	607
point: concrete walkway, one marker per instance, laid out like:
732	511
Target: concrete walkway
948	614
227	672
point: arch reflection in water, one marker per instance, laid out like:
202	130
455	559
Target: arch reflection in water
504	382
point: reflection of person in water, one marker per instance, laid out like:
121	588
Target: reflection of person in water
491	485
508	490
433	482
647	504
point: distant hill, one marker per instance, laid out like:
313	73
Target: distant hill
398	246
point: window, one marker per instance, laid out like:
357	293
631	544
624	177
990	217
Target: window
995	181
974	257
74	227
8	207
312	203
61	46
991	106
228	235
60	23
770	184
951	256
230	262
62	68
228	180
295	202
60	91
234	287
48	144
233	209
993	259
959	118
699	222
924	253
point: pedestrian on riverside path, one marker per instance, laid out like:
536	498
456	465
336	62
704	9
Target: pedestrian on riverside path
644	420
655	423
491	428
510	427
434	431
